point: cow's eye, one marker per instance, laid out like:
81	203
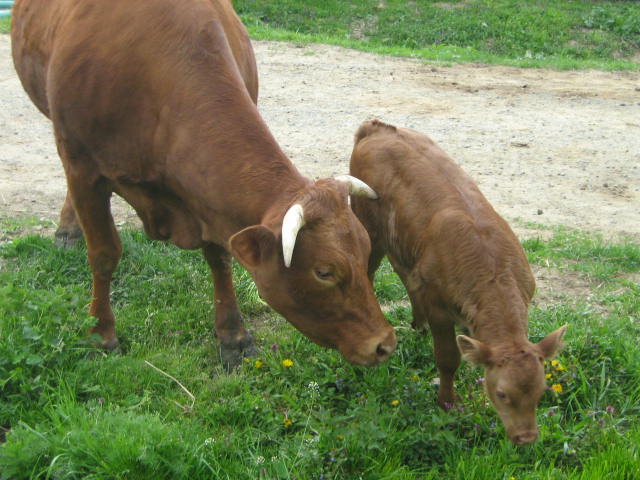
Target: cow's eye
501	395
325	274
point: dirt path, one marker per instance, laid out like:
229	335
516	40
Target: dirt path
556	148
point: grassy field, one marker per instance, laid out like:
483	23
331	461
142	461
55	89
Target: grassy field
165	408
543	33
5	25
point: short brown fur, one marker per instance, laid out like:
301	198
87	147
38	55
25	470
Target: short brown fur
461	264
156	101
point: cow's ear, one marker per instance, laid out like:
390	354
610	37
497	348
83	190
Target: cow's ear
473	351
550	344
253	246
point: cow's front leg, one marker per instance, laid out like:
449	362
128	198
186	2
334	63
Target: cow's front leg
235	340
69	231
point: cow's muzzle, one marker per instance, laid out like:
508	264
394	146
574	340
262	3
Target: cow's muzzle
374	350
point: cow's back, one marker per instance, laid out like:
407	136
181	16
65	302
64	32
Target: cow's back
44	30
147	98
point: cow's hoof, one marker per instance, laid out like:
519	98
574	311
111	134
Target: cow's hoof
102	349
111	345
233	352
68	237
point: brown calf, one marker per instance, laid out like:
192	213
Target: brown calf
155	101
460	263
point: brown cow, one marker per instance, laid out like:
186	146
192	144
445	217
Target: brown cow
461	264
155	101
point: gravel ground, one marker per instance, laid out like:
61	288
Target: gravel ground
554	148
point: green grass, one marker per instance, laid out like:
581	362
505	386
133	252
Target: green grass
5	25
542	33
74	412
561	34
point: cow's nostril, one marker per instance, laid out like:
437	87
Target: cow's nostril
383	350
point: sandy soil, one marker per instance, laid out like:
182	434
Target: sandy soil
555	148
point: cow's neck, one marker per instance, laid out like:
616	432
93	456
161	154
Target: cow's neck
229	166
497	313
235	180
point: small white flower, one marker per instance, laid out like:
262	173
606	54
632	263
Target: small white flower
210	441
259	460
314	387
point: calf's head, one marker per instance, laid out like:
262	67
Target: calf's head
310	266
514	380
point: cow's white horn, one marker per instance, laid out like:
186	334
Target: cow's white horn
358	187
291	224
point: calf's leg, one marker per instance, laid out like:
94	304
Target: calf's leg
447	355
235	340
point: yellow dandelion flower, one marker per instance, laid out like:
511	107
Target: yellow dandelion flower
560	368
556	387
287	363
340	436
548	376
395	403
512	478
555	363
246	360
415	378
258	364
287	422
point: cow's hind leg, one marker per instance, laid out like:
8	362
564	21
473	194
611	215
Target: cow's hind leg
91	201
235	340
69	231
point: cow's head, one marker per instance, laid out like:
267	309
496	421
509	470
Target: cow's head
514	380
310	265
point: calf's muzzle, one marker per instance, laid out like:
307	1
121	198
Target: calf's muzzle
525	437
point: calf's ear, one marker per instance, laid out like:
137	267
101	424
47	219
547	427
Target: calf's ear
253	246
550	344
473	351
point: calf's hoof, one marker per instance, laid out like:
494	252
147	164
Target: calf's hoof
234	351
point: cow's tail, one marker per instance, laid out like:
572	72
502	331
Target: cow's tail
373	126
